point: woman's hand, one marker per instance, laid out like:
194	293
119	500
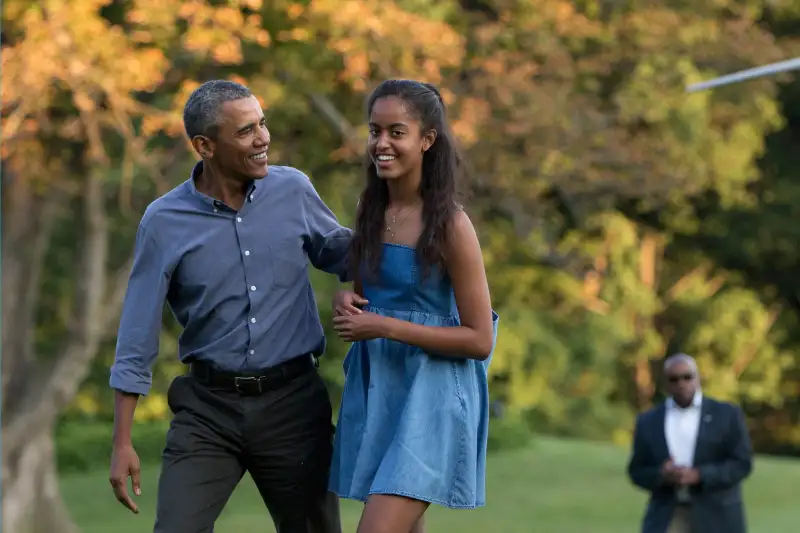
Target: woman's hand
346	303
360	327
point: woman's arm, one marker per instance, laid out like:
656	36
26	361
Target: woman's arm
474	338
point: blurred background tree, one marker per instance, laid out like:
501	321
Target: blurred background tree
621	219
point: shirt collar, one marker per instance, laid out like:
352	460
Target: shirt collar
697	401
208	200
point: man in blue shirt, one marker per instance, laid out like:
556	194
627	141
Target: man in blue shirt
228	250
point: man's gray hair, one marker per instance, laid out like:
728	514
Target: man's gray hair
200	114
680	358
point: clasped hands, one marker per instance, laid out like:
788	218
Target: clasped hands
352	323
679	475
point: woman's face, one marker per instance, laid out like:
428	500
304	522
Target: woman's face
396	142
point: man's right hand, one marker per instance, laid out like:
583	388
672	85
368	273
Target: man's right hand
670	474
347	303
125	464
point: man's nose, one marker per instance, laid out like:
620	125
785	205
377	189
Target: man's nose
263	137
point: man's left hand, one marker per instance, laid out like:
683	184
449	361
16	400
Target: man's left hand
361	327
348	303
689	476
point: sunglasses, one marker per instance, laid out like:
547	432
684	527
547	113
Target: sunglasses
680	377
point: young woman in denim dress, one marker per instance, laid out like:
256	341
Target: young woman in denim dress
413	421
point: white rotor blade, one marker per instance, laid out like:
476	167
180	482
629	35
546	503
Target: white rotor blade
742	75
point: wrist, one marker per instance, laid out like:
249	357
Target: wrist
388	328
119	443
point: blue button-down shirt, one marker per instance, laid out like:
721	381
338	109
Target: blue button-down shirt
237	281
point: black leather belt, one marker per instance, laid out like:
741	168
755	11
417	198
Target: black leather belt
253	383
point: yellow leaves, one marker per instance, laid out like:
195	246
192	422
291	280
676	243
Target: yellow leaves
356	66
228	53
86	402
215	32
622	437
494	66
83	101
73	48
227	17
473	112
262	37
155	13
170	122
295	11
189	9
218	32
152	407
382	38
299	34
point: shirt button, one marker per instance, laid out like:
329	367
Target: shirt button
251	197
252	352
253	320
252	287
216	210
238	219
247	252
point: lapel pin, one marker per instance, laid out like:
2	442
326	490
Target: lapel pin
707	418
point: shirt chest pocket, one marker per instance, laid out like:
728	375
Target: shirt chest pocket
288	262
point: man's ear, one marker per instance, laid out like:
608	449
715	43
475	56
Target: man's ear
204	146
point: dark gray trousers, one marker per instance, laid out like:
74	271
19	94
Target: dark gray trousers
282	437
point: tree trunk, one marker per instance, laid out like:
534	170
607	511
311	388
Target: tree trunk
31	496
28	220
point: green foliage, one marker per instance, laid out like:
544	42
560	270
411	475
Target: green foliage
621	219
83	446
509	433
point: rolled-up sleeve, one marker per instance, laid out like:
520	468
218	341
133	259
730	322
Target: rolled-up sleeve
329	241
140	322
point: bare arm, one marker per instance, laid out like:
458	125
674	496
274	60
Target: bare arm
124	407
474	338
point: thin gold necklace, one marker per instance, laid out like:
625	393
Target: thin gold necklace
390	227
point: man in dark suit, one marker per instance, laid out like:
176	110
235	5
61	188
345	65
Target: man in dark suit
691	453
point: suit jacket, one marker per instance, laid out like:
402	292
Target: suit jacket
723	456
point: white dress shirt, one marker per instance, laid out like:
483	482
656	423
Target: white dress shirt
681	427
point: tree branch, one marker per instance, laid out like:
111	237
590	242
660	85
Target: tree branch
41	404
337	121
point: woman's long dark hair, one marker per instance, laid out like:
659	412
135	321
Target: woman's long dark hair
442	169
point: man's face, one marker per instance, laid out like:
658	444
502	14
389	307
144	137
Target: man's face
242	140
682	382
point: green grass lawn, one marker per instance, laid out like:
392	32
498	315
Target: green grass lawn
554	487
